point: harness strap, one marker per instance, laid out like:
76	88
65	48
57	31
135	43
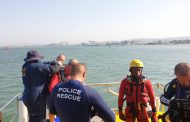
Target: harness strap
132	103
131	87
142	87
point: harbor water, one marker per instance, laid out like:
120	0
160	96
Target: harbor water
104	64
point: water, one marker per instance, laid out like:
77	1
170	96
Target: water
105	64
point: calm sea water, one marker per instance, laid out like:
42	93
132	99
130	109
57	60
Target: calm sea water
105	64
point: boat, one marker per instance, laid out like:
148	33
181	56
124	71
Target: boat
20	113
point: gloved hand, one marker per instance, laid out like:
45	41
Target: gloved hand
154	118
122	116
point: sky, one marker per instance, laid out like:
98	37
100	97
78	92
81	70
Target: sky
34	22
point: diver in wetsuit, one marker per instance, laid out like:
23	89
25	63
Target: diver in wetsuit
179	88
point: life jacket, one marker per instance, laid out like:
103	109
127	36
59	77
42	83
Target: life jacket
56	78
136	92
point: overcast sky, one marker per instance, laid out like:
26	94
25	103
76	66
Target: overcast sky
47	21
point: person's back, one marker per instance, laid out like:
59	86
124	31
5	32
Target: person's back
72	101
35	75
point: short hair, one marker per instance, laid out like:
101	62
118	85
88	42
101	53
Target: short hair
60	55
78	68
182	69
72	61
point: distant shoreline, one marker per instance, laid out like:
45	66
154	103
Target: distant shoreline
45	46
112	43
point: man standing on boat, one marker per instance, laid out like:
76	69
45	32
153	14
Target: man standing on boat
67	69
137	91
60	77
35	76
56	79
179	88
72	101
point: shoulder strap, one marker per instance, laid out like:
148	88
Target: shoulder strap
142	87
59	76
131	87
143	84
174	83
129	80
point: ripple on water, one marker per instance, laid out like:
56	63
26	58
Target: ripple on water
104	64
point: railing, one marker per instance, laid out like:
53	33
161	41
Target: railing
5	105
109	90
158	86
107	85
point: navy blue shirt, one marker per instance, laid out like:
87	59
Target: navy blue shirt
174	90
35	76
72	102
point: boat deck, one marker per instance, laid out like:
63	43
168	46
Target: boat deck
20	115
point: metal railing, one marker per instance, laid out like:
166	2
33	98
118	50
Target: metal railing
107	85
158	86
109	90
6	104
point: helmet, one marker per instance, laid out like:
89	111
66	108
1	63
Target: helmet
136	63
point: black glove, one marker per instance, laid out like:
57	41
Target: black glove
122	116
154	117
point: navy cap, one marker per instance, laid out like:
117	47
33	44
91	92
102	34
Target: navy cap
33	55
